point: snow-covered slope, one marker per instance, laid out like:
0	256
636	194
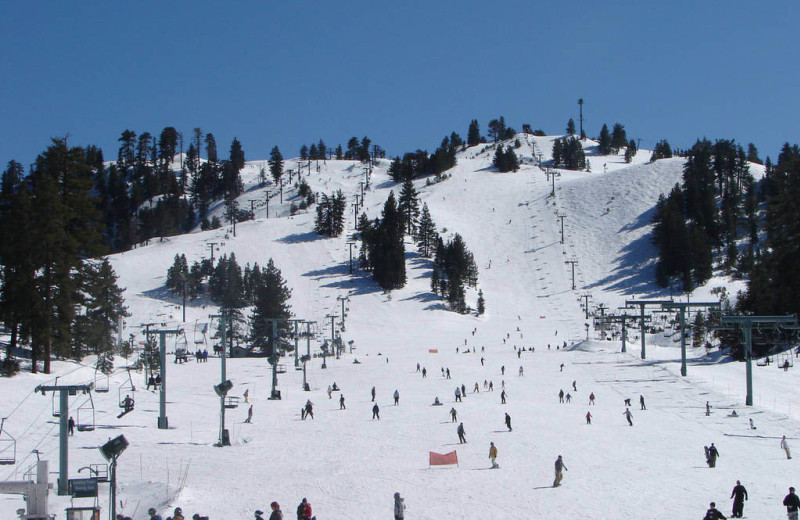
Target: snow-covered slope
349	465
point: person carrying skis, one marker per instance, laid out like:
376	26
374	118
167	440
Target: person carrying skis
560	468
785	447
739	495
508	422
713	513
493	455
460	430
792	503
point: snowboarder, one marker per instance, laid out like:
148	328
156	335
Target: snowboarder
71	425
628	402
309	409
508	422
373	394
493	455
739	495
396	397
588	417
785	447
458	395
249	414
627	413
453	414
341	403
711	456
503	397
560	468
399	507
792	503
460	430
276	514
752	426
713	513
561	396
376	412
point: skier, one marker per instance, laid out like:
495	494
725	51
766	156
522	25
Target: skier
424	373
491	386
399	507
476	388
641	402
561	396
752	426
246	395
458	395
71	425
708	409
503	370
712	455
276	514
493	455
341	402
482	360
453	414
792	503
396	397
713	513
739	495
376	412
249	415
330	392
448	373
304	510
521	370
591	398
560	468
588	417
627	413
508	422
503	397
418	368
460	430
785	447
574	386
562	367
569	397
373	394
309	409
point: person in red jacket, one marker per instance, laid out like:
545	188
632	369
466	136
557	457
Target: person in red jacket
304	510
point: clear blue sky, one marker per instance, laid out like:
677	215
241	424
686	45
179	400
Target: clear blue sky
405	73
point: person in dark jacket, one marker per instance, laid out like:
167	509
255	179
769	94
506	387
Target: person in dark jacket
560	467
739	495
304	510
792	503
712	456
399	507
508	422
259	514
713	513
461	434
376	412
276	514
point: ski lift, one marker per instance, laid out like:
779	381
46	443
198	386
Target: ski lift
203	328
86	415
232	401
8	446
125	389
100	382
56	406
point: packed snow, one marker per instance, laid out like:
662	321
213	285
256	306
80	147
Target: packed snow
349	465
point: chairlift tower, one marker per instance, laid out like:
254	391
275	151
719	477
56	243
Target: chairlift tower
746	324
64	391
34	492
297	323
682	307
307	357
163	421
222	388
642	304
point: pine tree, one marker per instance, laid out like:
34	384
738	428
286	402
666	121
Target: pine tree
408	204
481	301
127	150
473	133
604	142
236	155
662	150
271	302
570	127
630	151
752	154
104	305
275	164
211	149
619	138
426	233
385	251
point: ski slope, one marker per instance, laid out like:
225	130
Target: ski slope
348	465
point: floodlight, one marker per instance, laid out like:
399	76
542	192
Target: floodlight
223	388
113	448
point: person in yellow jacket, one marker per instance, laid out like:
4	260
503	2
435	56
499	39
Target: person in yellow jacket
493	455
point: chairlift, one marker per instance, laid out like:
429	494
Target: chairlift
100	382
8	446
202	328
86	415
232	401
125	389
56	406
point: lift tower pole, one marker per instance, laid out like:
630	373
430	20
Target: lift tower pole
163	421
682	306
64	391
642	304
746	324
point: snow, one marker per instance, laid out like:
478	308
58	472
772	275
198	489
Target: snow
349	466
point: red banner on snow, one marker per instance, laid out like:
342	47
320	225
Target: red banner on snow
433	351
439	459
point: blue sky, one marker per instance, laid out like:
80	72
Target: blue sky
403	73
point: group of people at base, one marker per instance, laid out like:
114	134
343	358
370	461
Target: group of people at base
177	514
739	495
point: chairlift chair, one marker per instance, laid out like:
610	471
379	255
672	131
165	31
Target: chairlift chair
125	389
232	401
8	446
86	416
100	382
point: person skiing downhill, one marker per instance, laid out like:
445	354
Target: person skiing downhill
588	417
560	467
453	414
739	495
460	430
508	422
627	413
713	513
785	447
376	412
396	397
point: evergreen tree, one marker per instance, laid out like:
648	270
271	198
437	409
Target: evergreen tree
167	146
236	155
304	152
604	142
473	133
330	214
275	164
426	233
662	150
211	149
384	248
619	138
630	151
570	127
103	303
408	204
752	154
127	150
271	302
481	302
